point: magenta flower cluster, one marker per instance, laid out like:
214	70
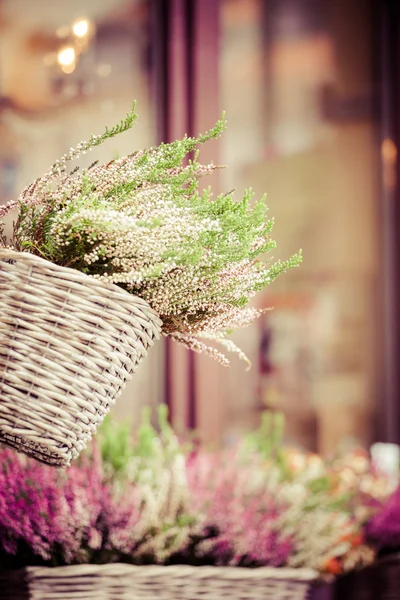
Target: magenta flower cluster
54	517
83	515
241	515
383	530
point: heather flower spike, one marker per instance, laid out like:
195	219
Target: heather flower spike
140	222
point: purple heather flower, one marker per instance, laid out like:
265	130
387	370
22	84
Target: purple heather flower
384	528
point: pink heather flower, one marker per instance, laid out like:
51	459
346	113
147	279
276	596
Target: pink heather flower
64	517
29	503
240	510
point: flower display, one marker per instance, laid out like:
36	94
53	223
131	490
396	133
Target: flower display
155	500
329	501
142	223
80	516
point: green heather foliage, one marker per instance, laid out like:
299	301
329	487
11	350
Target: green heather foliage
142	223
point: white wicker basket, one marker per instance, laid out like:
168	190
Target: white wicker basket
68	344
127	582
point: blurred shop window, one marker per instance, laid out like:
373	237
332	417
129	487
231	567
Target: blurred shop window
297	85
67	69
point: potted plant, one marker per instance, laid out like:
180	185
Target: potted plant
100	263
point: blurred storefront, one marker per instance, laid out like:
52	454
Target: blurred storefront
297	82
301	83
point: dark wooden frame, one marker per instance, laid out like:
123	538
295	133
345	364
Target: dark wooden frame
185	68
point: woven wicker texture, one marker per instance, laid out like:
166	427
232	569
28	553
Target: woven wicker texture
126	582
68	344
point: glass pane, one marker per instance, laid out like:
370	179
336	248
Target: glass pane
297	85
67	69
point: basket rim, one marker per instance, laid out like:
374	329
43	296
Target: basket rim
303	574
75	275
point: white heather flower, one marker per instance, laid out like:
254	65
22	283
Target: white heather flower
140	222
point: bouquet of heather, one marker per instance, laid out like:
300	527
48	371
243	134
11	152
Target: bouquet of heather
141	223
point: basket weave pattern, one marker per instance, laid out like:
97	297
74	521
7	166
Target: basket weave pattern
127	582
68	344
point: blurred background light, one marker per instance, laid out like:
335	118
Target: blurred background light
81	28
